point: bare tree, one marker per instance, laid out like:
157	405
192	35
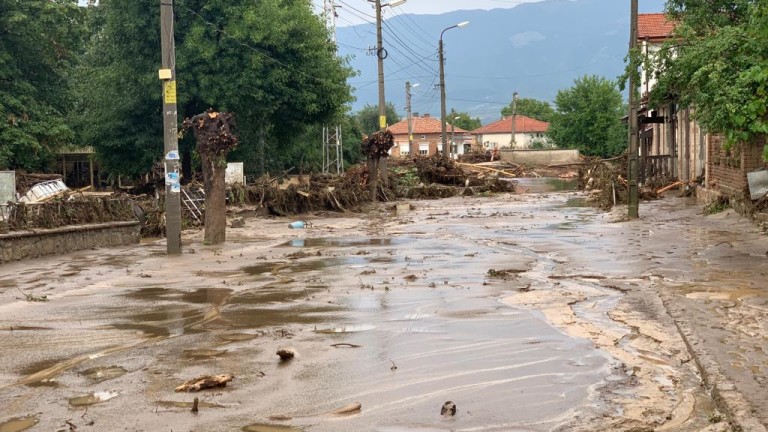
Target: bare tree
213	133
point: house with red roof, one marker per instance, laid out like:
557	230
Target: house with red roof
653	29
498	135
427	136
672	143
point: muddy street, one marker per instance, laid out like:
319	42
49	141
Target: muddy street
529	312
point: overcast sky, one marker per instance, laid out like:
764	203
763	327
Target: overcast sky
435	7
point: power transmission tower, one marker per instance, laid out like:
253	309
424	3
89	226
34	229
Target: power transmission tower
333	161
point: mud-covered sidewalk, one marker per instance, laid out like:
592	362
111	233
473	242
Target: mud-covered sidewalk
529	312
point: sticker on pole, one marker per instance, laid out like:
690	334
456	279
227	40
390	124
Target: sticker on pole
175	187
172	155
169	92
382	121
172	178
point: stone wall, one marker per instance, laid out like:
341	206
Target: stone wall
541	157
728	171
21	245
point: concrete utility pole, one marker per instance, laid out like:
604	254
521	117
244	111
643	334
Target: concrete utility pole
632	166
413	151
170	131
513	140
442	85
380	54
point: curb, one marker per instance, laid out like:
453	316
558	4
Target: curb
726	396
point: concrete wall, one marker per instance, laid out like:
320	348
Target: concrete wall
28	244
541	157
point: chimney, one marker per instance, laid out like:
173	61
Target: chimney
426	116
416	115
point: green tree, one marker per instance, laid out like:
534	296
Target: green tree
718	64
270	63
588	118
533	108
368	117
464	120
39	42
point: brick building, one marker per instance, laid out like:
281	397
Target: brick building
427	135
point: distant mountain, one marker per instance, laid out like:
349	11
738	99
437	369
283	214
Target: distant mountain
535	49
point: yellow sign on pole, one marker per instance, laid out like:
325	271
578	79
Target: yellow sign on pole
382	121
170	92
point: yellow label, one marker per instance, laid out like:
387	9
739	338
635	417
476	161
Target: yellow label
410	137
170	92
382	121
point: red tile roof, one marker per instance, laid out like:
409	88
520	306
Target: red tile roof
654	26
523	124
422	126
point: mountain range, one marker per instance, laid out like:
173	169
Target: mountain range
535	49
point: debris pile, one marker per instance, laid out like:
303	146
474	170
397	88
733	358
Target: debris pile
67	210
378	144
438	169
604	178
475	156
25	180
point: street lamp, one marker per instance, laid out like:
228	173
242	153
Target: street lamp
380	55
442	84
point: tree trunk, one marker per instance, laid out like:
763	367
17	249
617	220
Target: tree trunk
215	200
214	141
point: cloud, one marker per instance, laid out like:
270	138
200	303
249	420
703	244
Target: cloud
520	40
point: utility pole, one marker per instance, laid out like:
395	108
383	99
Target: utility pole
632	166
380	54
513	140
413	151
167	74
442	85
442	96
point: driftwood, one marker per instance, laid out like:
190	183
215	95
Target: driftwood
668	187
204	382
480	167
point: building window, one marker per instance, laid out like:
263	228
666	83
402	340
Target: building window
423	152
423	137
424	149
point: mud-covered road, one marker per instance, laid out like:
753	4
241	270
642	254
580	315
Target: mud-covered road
529	312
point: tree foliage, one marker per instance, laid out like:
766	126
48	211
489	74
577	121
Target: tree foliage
271	63
464	120
368	117
533	108
39	42
718	64
588	117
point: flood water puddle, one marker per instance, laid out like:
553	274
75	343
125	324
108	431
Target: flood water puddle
101	374
187	405
18	424
92	399
545	185
347	242
203	353
264	427
347	329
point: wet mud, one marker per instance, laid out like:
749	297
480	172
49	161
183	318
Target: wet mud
396	311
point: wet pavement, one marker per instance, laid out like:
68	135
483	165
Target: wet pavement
530	312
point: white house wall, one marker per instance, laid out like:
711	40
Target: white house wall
502	140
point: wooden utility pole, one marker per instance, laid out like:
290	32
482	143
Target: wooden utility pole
632	166
170	131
